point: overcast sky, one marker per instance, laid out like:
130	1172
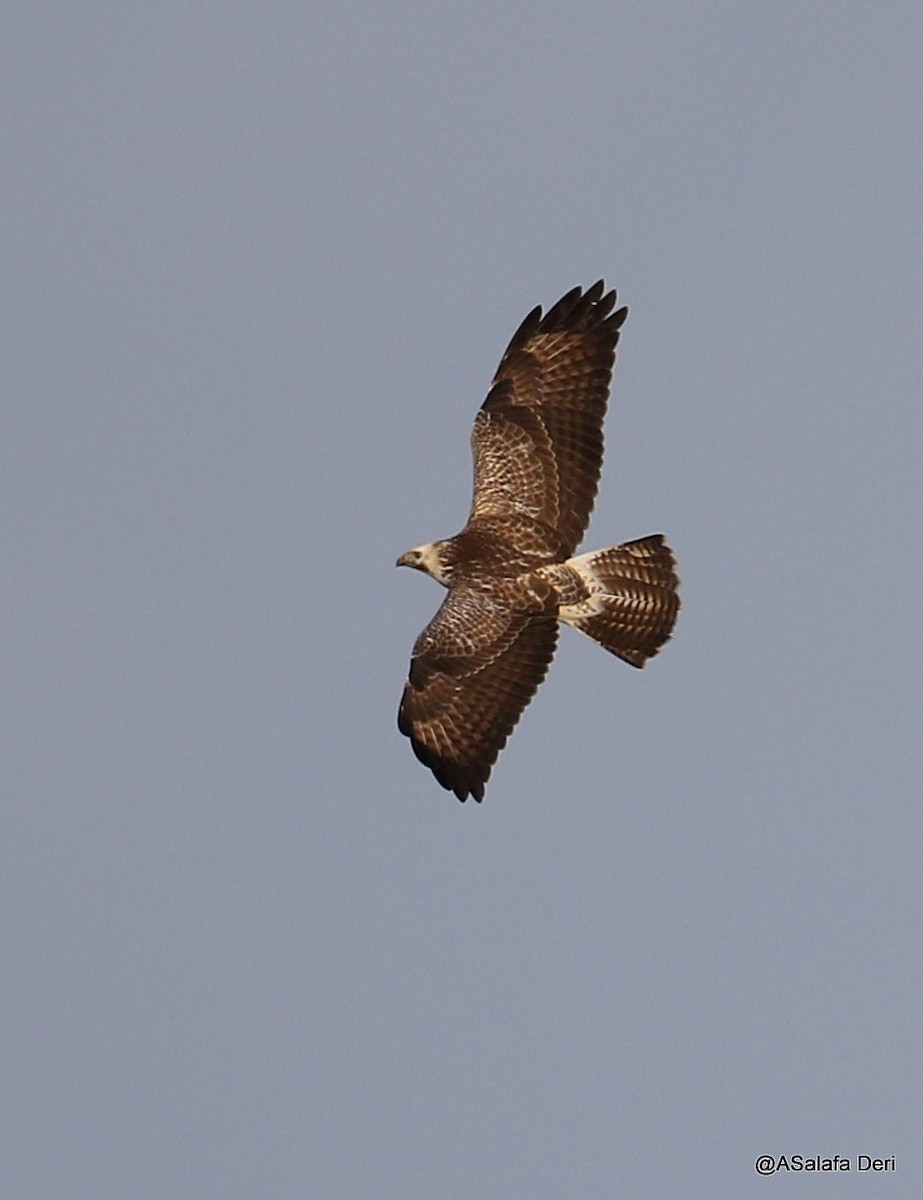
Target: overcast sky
261	262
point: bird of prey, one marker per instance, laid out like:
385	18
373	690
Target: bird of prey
511	573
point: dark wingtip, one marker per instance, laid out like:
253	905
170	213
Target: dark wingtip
528	326
579	309
576	310
463	782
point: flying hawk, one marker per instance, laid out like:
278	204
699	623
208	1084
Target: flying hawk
510	574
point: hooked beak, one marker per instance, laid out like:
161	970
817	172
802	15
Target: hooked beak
406	560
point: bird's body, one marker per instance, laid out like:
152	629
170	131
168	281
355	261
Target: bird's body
511	575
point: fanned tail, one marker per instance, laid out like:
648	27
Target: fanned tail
624	597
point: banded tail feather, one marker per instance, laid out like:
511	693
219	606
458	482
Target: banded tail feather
624	597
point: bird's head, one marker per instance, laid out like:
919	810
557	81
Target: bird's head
430	558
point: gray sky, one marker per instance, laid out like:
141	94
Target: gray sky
260	264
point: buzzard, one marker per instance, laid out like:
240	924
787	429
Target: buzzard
511	573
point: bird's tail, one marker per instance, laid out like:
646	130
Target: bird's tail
624	597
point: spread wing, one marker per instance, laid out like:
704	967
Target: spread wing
474	669
538	440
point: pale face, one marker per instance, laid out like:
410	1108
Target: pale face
426	558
